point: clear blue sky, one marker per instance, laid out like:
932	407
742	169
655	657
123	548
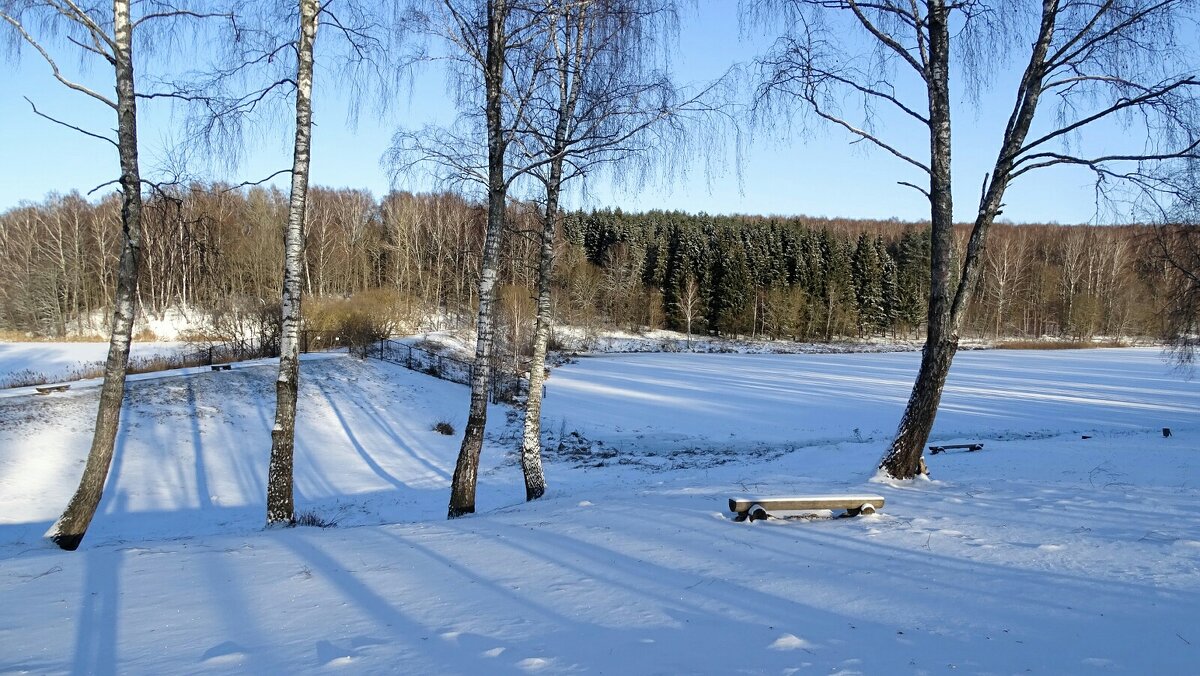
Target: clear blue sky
817	173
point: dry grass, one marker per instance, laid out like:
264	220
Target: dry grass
152	364
1055	344
8	336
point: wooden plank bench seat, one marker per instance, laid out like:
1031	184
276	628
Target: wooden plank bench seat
943	448
756	508
47	389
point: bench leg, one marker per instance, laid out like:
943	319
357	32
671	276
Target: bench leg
741	516
866	508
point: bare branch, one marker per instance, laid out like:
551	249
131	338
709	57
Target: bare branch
54	66
67	125
260	181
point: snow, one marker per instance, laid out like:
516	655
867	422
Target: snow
1043	553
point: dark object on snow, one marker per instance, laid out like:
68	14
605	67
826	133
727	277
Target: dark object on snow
1166	432
942	449
756	508
47	389
1087	436
221	367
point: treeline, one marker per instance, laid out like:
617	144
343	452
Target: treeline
218	251
821	279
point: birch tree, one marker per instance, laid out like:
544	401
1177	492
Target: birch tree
1105	63
493	76
603	101
107	35
281	507
254	77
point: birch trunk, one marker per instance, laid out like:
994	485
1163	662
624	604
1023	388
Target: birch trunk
531	442
466	470
280	502
70	528
903	459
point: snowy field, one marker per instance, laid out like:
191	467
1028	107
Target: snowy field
1045	553
59	361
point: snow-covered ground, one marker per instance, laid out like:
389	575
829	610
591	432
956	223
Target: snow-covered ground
1044	553
577	339
62	361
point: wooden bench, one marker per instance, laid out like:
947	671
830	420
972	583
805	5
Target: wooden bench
47	389
942	449
756	508
221	367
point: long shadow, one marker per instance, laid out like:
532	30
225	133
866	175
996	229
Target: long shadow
412	449
358	447
903	561
232	602
203	496
723	610
377	607
97	627
112	485
664	646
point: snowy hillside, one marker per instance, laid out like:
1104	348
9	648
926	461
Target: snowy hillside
1046	552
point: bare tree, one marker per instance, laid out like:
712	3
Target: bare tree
255	75
690	303
489	57
1006	270
110	37
1172	260
1179	247
1106	62
281	507
601	102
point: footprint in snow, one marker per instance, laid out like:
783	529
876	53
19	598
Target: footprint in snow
224	653
330	655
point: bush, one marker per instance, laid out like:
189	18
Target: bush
362	319
444	427
250	326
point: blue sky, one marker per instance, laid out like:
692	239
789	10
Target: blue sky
815	172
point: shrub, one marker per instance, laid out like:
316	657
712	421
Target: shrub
1054	344
444	427
251	327
362	319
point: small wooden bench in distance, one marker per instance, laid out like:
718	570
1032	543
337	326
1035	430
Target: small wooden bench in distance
47	389
759	508
942	449
221	367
